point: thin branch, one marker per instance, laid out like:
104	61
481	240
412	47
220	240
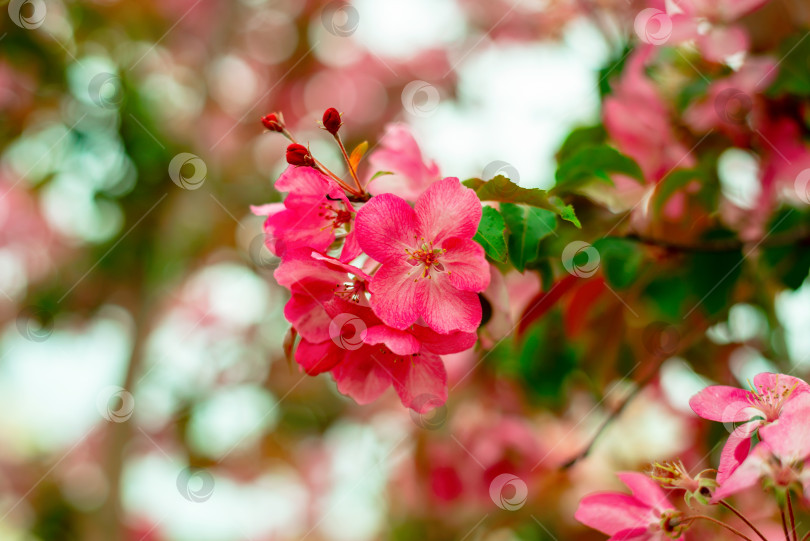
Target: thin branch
792	517
742	517
728	527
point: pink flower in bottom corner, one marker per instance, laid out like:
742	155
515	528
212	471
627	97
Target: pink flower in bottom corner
431	267
753	409
646	515
342	335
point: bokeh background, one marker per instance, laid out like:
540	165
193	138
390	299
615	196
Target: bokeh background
144	394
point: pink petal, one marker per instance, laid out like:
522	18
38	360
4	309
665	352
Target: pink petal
465	259
266	210
318	358
351	247
306	313
735	450
307	181
297	228
393	294
361	376
747	475
721	43
613	512
400	154
421	382
446	309
386	227
722	403
448	209
442	344
789	436
399	342
780	383
645	490
303	265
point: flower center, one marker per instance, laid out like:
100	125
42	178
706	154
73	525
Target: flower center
426	258
337	217
770	400
672	523
352	291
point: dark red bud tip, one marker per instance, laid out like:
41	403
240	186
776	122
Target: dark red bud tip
299	155
331	120
273	122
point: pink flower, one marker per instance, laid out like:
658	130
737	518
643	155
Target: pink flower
755	409
647	515
431	267
314	214
400	155
779	457
341	335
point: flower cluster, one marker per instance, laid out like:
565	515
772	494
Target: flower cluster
380	285
768	447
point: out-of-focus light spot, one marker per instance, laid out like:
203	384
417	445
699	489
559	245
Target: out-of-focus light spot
270	36
791	309
739	177
232	292
404	28
34	155
233	84
232	418
330	49
94	81
680	383
13	276
75	212
745	322
532	93
272	506
746	362
85	486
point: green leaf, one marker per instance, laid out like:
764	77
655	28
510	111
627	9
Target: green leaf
504	190
620	260
714	276
581	137
793	75
594	162
490	234
527	227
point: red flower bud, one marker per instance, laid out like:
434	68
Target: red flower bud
331	120
273	122
299	155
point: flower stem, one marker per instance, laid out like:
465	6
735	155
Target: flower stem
742	517
784	523
728	527
348	163
323	169
792	518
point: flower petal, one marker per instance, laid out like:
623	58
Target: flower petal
747	475
421	382
446	309
393	294
448	209
613	512
386	226
442	344
318	358
780	383
465	259
400	154
722	403
789	436
361	376
645	490
736	450
399	342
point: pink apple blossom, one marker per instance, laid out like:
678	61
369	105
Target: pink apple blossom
314	214
430	266
646	515
771	394
399	154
